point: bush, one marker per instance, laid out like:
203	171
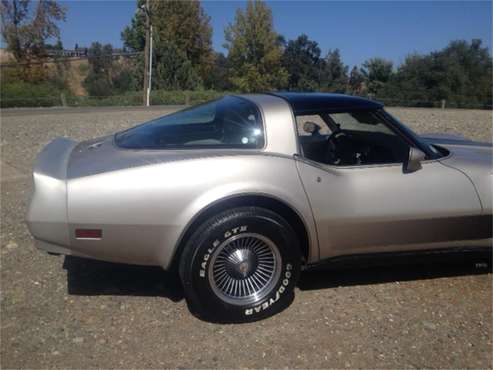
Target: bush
158	97
163	97
25	94
129	99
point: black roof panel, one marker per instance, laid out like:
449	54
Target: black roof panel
316	102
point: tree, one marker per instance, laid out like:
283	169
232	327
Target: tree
254	50
13	15
356	81
334	73
99	79
174	71
218	78
181	27
301	59
185	24
377	73
26	32
133	36
468	67
461	73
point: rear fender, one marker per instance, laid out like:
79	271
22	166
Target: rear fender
47	214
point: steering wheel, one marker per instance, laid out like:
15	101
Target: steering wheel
335	152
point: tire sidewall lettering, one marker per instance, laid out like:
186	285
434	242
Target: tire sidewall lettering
204	262
275	297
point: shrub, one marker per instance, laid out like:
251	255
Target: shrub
25	94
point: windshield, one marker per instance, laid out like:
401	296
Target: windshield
230	122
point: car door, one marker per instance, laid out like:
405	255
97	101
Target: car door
365	208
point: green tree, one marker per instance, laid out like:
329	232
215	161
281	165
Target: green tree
25	32
254	50
218	78
133	35
185	24
301	59
174	71
460	73
356	81
181	35
99	79
377	73
334	73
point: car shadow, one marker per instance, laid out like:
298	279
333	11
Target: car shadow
386	269
91	277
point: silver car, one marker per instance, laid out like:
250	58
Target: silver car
241	193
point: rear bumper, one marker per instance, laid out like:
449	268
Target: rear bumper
51	248
57	249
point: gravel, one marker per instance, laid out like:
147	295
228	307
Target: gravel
61	312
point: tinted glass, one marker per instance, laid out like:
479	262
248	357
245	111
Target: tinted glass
230	122
360	121
352	138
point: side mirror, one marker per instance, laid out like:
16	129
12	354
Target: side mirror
414	160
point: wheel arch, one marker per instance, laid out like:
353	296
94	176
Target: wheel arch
289	213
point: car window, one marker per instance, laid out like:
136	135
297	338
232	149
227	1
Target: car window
230	122
352	138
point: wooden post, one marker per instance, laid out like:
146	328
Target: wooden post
63	99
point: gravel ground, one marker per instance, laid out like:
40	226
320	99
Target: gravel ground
74	313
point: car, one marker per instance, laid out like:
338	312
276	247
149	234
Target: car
239	194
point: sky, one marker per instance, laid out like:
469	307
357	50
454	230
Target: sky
360	29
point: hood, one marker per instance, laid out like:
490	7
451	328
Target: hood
464	153
449	139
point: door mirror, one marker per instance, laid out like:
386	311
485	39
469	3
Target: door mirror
414	160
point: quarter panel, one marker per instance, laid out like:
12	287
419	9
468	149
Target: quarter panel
144	210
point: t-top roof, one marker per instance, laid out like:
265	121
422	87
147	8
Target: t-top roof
317	102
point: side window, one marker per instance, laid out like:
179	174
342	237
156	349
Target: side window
352	138
229	122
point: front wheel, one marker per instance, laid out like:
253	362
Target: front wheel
241	265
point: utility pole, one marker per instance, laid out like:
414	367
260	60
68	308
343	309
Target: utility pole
150	68
147	54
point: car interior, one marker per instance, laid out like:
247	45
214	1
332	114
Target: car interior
349	139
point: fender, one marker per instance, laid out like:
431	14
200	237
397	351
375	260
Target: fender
306	225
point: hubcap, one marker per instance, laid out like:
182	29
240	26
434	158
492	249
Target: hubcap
244	268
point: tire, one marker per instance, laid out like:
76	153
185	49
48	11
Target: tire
240	266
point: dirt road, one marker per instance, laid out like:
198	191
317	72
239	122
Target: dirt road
75	313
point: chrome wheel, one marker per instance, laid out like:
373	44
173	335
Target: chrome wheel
244	268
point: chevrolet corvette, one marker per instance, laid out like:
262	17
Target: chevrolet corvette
241	193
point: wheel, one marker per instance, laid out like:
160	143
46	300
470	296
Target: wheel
241	265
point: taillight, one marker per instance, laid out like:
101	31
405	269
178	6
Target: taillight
88	233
